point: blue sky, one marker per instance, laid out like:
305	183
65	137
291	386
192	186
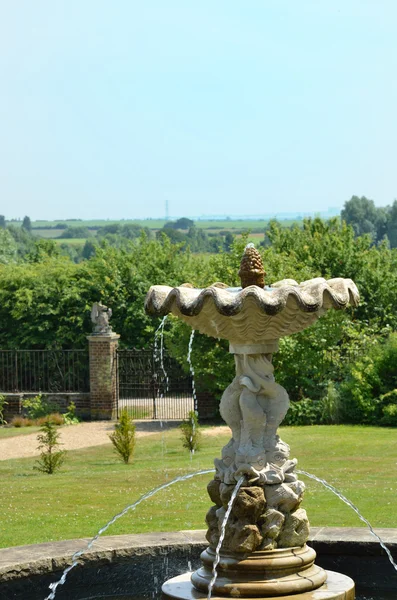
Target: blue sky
108	109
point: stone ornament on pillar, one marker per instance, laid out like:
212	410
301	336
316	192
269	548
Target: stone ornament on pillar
100	315
264	552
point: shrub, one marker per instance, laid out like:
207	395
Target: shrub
51	458
191	434
19	421
70	417
304	412
39	406
331	405
123	438
389	415
55	418
370	384
3	403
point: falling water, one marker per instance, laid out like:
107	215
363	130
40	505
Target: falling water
353	507
189	360
77	555
222	536
158	357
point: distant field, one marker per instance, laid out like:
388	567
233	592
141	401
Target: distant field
151	223
48	233
154	224
255	237
71	241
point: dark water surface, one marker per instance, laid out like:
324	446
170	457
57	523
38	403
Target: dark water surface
360	595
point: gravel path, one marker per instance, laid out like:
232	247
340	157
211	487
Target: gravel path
72	437
78	436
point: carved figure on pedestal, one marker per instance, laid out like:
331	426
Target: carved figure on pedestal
100	315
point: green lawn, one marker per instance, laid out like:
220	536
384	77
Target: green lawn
93	485
6	432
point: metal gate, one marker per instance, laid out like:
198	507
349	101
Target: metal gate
150	388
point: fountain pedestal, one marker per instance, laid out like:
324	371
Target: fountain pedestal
337	587
262	574
263	544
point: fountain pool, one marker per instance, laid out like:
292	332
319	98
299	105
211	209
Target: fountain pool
134	566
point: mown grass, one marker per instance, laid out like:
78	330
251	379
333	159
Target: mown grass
7	432
94	485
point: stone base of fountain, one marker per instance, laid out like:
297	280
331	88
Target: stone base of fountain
336	587
263	573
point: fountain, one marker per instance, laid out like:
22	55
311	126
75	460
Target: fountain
264	551
257	530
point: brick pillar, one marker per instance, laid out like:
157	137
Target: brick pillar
103	375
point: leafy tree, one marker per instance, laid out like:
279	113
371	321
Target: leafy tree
2	222
365	217
182	223
391	225
26	223
23	240
8	247
89	249
43	250
75	232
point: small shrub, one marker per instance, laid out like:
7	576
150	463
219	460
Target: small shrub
389	415
191	433
39	406
70	417
3	404
123	437
19	421
331	406
55	418
51	458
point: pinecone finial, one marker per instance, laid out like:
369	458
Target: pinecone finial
251	268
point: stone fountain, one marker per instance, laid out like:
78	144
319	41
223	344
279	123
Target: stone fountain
264	552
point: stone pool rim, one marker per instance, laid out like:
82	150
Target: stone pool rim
19	562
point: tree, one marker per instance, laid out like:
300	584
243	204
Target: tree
27	224
365	217
391	227
8	247
123	438
51	458
2	221
182	223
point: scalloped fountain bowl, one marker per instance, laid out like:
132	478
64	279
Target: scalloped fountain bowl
253	315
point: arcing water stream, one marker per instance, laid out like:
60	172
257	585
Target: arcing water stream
353	507
146	496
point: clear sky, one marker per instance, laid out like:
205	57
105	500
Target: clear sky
108	109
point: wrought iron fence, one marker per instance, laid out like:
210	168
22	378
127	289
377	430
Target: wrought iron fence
151	390
48	371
